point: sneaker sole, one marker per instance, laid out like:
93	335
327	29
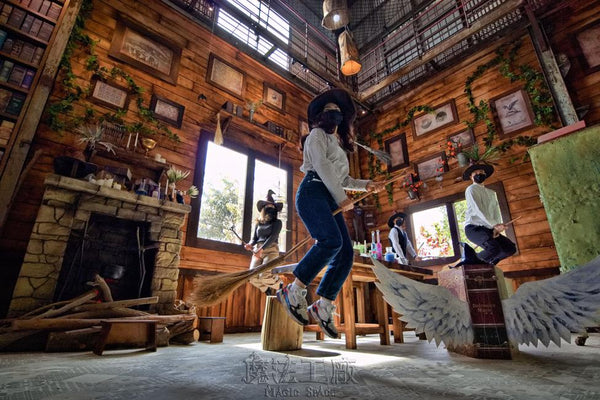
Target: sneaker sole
321	325
286	306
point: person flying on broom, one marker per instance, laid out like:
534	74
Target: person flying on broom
320	193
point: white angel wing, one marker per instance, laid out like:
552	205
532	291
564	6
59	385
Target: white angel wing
427	308
551	309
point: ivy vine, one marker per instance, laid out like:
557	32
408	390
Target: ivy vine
60	115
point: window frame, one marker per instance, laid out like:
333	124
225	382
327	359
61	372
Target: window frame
448	201
192	227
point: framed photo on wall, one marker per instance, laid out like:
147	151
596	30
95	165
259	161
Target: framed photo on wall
109	94
273	97
166	110
427	123
225	76
465	138
588	43
512	112
429	167
147	51
396	148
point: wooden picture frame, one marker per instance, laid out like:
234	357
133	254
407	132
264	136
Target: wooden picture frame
428	167
166	110
225	76
397	149
427	123
588	46
109	94
273	98
134	45
465	137
512	112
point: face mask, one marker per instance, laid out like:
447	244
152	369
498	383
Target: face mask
399	222
271	211
479	178
331	119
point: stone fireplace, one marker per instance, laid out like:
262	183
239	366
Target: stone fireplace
79	225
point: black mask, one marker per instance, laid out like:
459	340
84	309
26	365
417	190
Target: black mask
399	222
271	211
331	119
479	178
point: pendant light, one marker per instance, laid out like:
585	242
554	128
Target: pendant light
349	62
335	14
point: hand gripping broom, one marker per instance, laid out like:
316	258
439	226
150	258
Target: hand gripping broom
212	290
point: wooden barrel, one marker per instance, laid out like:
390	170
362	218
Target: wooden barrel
279	332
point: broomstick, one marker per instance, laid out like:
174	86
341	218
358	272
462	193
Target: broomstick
215	289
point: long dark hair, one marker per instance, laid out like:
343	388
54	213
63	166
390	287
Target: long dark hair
345	131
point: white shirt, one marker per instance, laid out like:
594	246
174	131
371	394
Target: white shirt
393	236
482	206
324	155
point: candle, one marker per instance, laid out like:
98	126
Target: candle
128	141
136	139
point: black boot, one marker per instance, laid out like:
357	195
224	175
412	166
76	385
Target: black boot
468	256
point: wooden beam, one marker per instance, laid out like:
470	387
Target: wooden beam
498	13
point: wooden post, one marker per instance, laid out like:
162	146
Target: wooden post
279	332
382	316
349	324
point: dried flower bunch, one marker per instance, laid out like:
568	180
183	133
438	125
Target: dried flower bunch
92	135
176	175
412	182
453	147
253	105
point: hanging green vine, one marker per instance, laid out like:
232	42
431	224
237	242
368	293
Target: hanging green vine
60	114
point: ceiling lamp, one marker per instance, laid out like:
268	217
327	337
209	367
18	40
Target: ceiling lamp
335	14
350	64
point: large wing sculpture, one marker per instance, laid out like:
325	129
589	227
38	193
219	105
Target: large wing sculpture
427	308
551	309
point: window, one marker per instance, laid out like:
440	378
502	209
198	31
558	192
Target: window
437	227
231	180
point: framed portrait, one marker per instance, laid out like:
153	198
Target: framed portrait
225	76
586	40
150	53
466	138
512	112
427	123
429	167
166	110
396	148
109	94
273	97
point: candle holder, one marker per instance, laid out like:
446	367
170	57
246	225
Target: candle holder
148	144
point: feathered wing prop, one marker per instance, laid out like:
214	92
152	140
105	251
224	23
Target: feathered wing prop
551	309
427	308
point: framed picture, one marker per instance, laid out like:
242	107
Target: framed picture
273	97
396	147
430	167
427	123
109	94
586	40
512	112
225	76
150	53
466	138
303	131
166	110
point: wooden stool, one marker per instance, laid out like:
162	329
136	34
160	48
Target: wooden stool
211	328
129	333
279	332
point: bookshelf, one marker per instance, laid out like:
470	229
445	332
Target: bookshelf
26	28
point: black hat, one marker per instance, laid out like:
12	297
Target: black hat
395	217
337	96
489	170
262	203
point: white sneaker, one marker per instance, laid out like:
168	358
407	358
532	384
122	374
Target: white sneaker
323	313
293	299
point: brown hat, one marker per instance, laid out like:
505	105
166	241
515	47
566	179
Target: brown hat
337	96
262	203
489	170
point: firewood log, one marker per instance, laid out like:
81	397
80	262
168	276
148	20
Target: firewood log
75	340
186	337
70	324
118	312
77	301
118	303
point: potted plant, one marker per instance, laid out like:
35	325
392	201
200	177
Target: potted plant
91	135
412	182
491	153
454	149
252	106
174	175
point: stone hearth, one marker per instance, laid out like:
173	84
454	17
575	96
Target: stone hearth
68	204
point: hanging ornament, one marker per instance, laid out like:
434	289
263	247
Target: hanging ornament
218	133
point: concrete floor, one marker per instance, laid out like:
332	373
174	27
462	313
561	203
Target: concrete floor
239	369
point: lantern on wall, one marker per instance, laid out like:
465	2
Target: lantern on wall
335	14
349	62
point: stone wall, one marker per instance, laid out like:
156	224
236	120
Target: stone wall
68	204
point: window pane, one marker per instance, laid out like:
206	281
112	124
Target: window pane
432	233
267	176
460	209
222	194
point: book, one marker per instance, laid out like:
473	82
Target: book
5	96
6	128
7	67
45	7
27	52
6	10
35	5
16	48
8	44
15	104
54	11
3	35
45	31
17	74
35	26
16	18
28	78
26	26
37	55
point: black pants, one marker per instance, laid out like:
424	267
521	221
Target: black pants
495	249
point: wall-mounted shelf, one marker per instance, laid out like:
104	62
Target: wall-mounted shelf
230	120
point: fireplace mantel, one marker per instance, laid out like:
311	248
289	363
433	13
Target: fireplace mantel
68	204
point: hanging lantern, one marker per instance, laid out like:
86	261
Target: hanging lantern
350	64
335	14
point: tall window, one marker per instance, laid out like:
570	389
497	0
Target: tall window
231	180
437	227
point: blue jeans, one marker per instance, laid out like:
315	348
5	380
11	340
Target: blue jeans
333	248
